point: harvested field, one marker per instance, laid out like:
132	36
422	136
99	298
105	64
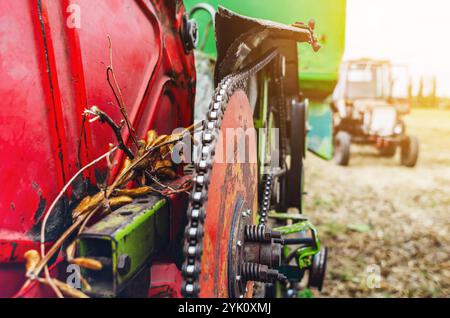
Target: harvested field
387	226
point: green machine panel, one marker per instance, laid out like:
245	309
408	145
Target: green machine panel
318	72
124	242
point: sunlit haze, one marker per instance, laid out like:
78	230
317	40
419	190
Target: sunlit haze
413	32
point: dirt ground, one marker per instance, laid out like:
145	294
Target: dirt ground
386	226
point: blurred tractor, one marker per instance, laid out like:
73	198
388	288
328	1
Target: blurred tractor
369	101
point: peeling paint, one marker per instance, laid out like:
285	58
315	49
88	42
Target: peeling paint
41	208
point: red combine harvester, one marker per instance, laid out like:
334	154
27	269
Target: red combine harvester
90	203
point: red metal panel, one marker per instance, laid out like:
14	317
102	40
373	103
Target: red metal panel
28	139
166	281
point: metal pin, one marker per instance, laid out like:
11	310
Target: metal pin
192	231
189	288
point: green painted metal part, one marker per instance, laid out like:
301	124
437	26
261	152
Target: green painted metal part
320	134
304	254
134	232
318	72
287	216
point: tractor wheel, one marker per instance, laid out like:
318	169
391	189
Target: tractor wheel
388	151
342	143
410	151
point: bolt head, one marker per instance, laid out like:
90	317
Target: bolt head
124	264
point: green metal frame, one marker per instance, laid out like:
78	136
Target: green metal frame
304	254
137	230
318	72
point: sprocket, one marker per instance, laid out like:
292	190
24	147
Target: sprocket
225	251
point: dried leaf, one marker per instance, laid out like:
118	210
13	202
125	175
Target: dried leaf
151	137
32	258
141	148
68	290
116	202
167	173
70	251
133	193
160	140
88	204
124	178
164	151
87	286
125	166
88	263
162	164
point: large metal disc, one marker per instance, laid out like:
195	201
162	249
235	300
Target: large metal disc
232	188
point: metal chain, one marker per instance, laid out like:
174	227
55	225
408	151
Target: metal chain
281	104
193	236
266	197
281	116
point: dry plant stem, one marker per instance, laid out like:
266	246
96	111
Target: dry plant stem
34	274
55	247
68	289
61	193
118	93
52	251
84	281
46	257
149	150
70	251
120	179
182	188
104	118
159	183
52	284
89	216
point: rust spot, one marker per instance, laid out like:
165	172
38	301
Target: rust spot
12	257
58	221
41	208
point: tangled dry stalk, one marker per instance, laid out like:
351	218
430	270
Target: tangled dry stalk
377	215
143	172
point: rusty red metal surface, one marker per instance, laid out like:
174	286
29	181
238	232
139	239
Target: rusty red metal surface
231	180
50	71
166	281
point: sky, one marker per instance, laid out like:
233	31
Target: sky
413	32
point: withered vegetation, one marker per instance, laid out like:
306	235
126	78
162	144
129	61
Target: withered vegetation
147	168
